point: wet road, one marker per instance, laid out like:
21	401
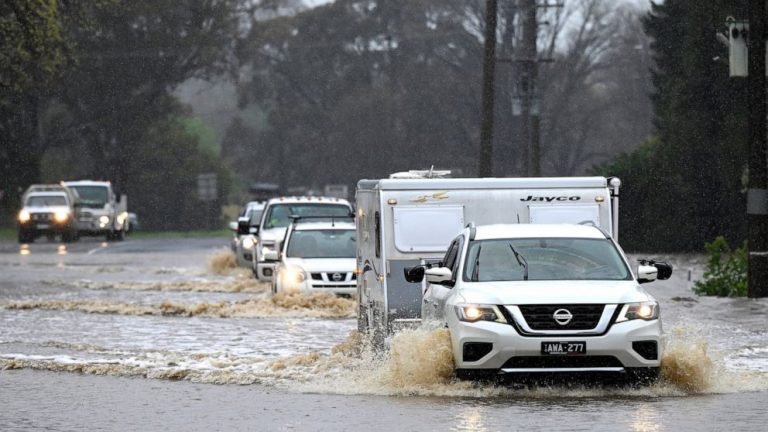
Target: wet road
146	335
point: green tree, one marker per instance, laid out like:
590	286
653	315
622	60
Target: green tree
685	187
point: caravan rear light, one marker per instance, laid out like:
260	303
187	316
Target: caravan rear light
391	201
599	198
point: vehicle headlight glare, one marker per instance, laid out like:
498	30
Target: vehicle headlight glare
645	311
473	313
104	220
60	216
24	216
293	276
249	242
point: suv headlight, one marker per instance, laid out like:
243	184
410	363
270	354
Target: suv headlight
60	216
24	216
644	311
293	275
266	247
249	242
473	313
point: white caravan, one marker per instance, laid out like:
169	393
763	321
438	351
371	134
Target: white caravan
410	220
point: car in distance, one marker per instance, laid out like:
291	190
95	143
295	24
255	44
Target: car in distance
540	300
47	210
244	241
316	257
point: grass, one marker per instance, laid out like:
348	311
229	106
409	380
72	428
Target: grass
180	234
7	233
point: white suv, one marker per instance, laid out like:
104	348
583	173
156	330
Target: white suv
317	256
545	299
276	218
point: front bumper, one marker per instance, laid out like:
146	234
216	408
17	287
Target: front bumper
265	271
344	287
46	227
508	346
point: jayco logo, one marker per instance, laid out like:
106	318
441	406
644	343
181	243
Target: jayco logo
550	198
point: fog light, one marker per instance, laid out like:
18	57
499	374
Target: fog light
474	351
647	349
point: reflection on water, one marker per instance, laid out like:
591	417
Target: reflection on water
471	418
646	419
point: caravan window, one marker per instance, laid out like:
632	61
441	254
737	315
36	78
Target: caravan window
566	213
426	228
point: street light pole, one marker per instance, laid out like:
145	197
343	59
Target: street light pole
757	192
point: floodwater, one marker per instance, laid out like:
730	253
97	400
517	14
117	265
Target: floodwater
161	334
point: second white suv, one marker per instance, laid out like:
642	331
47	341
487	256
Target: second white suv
545	299
317	256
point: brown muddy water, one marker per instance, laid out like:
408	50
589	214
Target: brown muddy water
167	334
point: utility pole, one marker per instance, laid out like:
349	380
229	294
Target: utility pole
757	192
485	168
528	73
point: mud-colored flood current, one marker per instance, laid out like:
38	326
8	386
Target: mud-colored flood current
162	315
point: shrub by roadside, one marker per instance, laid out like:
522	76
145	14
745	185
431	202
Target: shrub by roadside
726	273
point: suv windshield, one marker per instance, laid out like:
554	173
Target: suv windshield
544	259
46	201
92	196
279	215
254	216
325	243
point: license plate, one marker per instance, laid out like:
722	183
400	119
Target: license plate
42	226
563	348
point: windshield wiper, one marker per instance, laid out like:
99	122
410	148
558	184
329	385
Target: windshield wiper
477	264
520	260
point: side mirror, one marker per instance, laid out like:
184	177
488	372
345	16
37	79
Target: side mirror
243	225
233	226
254	230
414	274
665	270
646	273
271	255
438	275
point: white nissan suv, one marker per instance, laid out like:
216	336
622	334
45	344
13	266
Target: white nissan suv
316	256
545	300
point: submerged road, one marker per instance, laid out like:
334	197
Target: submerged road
155	334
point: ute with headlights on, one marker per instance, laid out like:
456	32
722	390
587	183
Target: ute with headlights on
49	210
543	300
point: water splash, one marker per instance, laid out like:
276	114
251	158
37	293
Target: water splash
314	305
222	262
239	282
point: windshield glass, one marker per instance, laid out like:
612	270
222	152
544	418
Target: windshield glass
254	216
46	201
322	244
280	214
545	259
92	196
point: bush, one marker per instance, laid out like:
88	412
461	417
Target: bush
726	273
